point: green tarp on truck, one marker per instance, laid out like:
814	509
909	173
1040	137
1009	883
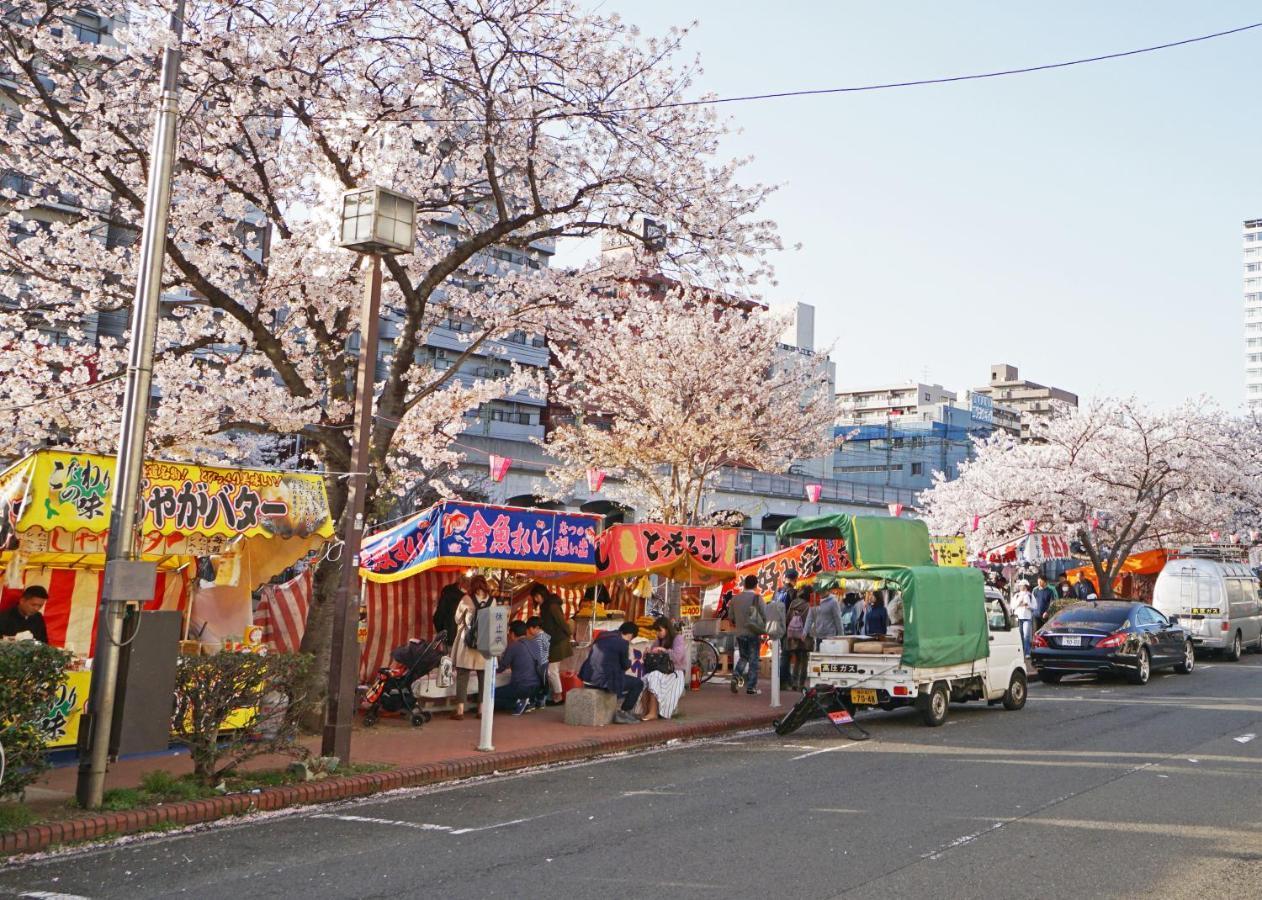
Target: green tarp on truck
870	540
944	608
944	612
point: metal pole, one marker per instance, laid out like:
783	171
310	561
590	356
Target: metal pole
94	747
775	673
486	696
344	658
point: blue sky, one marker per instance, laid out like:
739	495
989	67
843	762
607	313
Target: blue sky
1082	224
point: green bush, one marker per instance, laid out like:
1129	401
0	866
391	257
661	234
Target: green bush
209	689
30	675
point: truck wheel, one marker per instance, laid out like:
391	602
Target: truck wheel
934	708
1015	697
1237	648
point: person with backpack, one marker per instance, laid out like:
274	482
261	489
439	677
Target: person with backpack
749	618
796	642
465	655
824	620
852	615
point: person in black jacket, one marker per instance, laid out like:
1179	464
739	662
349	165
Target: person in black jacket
27	616
445	612
606	668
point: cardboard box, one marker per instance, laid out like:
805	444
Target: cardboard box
868	647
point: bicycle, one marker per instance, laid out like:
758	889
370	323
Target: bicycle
706	656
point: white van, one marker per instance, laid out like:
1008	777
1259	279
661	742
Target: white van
1216	600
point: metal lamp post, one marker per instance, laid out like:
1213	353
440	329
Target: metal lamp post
127	578
375	222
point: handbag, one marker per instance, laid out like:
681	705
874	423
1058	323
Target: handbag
757	623
659	662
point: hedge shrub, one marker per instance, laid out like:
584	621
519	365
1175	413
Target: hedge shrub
30	677
209	689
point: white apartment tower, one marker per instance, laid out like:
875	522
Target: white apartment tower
1253	312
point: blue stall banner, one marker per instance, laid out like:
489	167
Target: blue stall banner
456	534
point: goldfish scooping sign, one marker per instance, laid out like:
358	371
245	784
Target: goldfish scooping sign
454	533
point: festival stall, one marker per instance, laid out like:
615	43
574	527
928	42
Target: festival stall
1030	548
406	566
216	534
1137	577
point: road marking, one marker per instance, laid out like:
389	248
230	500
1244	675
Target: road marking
422	826
52	895
500	824
1244	738
652	793
961	841
825	750
849	812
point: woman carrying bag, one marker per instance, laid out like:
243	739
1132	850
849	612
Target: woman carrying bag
561	634
468	659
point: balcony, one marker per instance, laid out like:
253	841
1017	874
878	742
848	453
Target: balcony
746	481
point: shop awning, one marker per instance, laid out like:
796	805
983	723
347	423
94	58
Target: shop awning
871	540
808	559
1031	548
1147	562
454	534
689	555
55	512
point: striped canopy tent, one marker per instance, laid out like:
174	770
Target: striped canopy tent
248	525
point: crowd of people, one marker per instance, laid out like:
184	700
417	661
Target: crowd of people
1031	596
539	644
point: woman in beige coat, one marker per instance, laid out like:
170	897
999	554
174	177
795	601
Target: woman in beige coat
468	659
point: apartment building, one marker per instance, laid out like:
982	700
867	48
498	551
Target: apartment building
1253	312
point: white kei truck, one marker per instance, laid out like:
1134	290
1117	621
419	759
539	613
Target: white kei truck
958	645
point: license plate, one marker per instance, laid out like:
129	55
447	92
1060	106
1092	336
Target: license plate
1071	641
861	697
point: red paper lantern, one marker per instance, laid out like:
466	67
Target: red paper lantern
977	522
595	479
499	466
1214	536
1094	523
813	492
896	509
1235	538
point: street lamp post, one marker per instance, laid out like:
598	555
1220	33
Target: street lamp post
375	222
127	578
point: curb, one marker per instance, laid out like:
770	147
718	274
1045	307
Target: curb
192	812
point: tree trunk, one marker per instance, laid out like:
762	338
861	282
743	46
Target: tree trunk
318	638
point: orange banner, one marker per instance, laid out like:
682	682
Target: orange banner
692	555
808	559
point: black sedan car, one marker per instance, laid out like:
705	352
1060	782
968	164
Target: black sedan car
1111	636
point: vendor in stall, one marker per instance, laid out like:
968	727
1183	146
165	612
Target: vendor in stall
27	616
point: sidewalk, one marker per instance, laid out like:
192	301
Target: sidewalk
441	750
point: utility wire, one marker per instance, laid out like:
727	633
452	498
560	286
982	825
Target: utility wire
808	92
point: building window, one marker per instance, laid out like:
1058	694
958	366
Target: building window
917	468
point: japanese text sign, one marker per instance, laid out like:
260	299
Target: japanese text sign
454	533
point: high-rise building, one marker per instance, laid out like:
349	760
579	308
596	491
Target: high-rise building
1253	312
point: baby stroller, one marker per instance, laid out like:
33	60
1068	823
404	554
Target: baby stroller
392	689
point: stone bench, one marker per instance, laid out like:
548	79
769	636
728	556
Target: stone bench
589	706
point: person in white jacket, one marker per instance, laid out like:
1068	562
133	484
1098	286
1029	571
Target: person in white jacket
1023	609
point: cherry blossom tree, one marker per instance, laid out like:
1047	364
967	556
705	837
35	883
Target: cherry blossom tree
667	392
1115	476
514	123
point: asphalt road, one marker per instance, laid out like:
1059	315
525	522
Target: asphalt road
1094	790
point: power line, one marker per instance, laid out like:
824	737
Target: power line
807	92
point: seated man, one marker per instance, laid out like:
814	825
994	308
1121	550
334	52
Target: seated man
534	631
27	617
521	660
606	668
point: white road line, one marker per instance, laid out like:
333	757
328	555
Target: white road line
825	750
652	793
1244	738
423	826
497	825
52	895
961	841
850	812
